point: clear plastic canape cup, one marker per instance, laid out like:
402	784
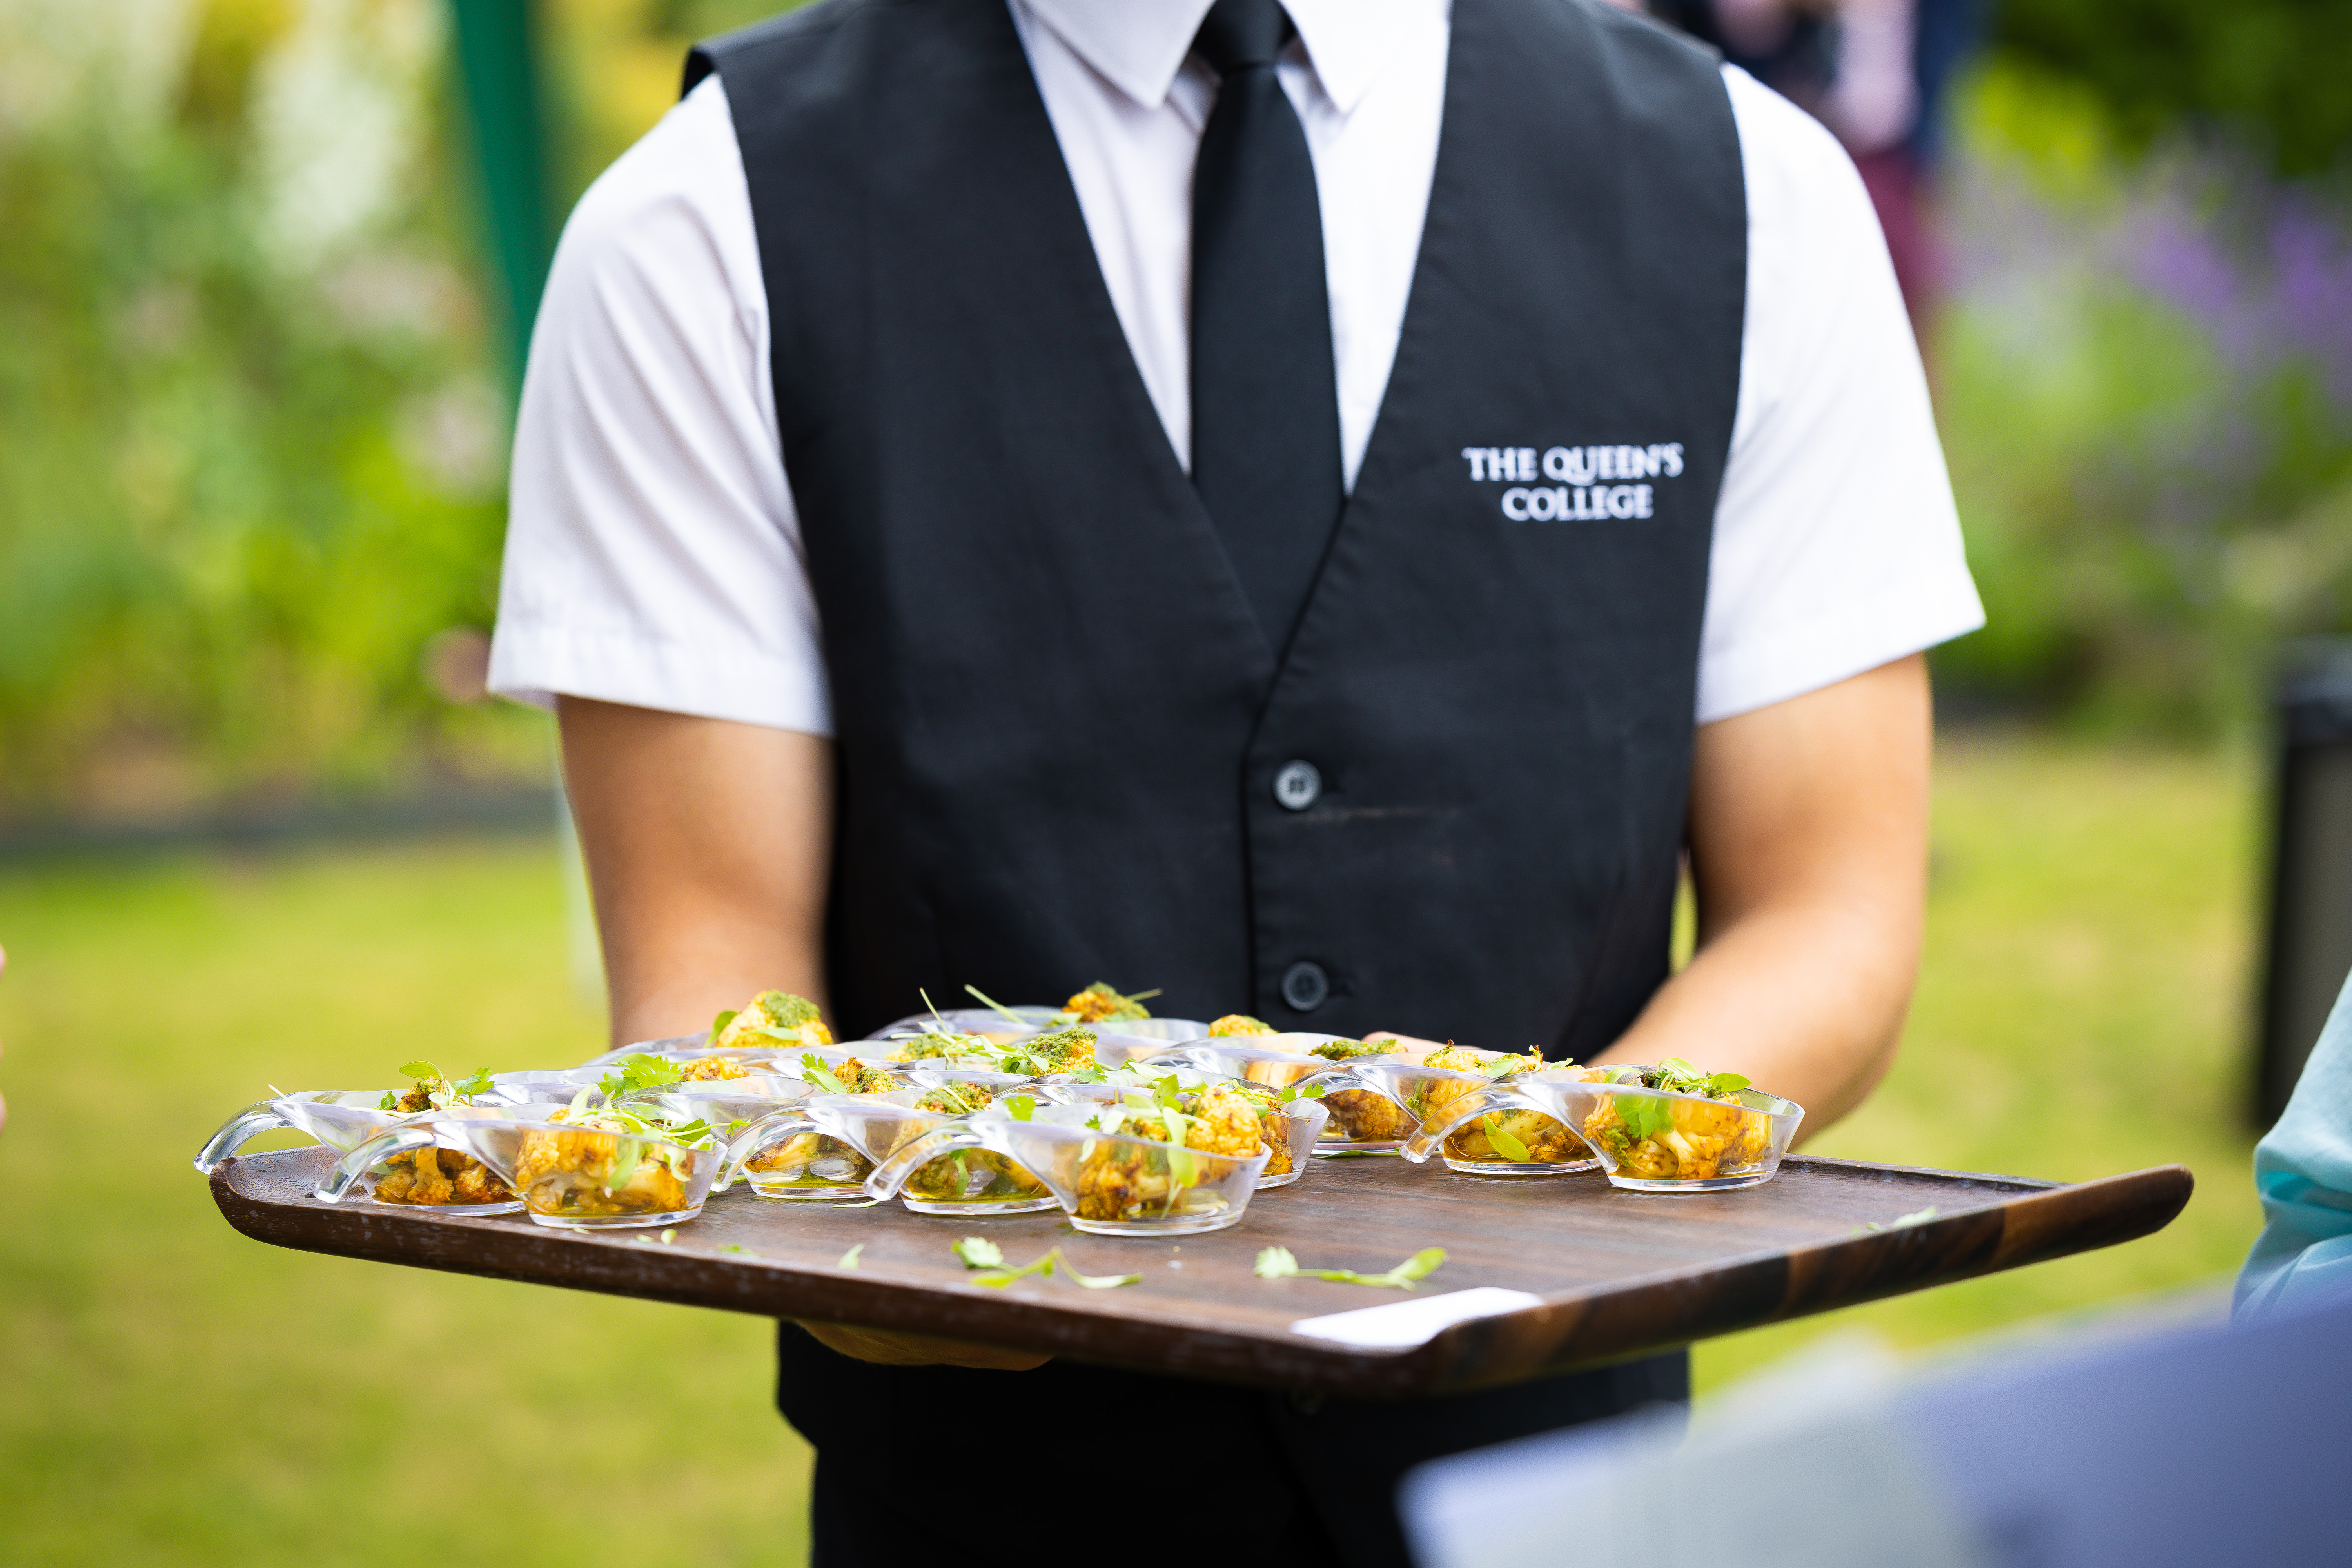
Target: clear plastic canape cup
568	1177
446	1180
1466	1116
1290	1129
1356	1121
1109	1184
1649	1140
827	1145
727	1105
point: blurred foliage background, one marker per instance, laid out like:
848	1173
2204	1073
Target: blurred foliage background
254	397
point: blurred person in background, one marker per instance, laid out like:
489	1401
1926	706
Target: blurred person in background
2303	1171
951	519
1877	72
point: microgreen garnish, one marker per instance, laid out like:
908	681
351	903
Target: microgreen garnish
849	1258
1678	1075
1019	1107
981	1253
435	1089
1276	1263
1301	1092
640	1072
993	1005
812	1068
1509	1147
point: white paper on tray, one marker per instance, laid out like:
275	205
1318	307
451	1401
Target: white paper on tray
1395	1325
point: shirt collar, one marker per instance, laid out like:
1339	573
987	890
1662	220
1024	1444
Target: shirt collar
1139	46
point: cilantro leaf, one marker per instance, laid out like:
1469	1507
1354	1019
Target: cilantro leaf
419	1070
1644	1116
1019	1107
1275	1263
812	1068
979	1252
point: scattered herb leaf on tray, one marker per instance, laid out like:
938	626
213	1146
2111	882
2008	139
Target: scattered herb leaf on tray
978	1253
1276	1263
849	1258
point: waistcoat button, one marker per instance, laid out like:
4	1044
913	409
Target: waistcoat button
1297	786
1305	986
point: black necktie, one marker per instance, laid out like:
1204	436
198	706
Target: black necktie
1266	405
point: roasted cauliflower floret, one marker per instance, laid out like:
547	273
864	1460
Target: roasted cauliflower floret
1349	1050
1544	1138
775	1018
1100	1004
1224	1122
1064	1050
1367	1117
1233	1023
569	1172
704	1069
811	1157
932	1043
1699	1136
956	1098
436	1176
855	1078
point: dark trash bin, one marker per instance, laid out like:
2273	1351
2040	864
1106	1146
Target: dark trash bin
2307	950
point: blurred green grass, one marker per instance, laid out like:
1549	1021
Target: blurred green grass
172	1392
2082	1009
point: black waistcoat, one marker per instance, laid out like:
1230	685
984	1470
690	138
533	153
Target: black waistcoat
1059	724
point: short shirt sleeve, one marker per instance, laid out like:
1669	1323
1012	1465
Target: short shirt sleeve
653	554
1837	547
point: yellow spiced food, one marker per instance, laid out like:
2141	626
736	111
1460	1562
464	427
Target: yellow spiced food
1701	1132
591	1171
1127	1181
1502	1137
1099	1004
772	1018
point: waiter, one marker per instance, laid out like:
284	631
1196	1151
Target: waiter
1312	506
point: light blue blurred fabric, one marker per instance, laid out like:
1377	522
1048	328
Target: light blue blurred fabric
2302	1170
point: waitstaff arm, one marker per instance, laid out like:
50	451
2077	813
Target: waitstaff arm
709	843
1808	849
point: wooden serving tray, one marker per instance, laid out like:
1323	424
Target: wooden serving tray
1617	1273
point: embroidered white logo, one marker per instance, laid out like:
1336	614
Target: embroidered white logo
1585	491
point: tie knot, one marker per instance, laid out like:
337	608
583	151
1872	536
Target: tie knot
1239	34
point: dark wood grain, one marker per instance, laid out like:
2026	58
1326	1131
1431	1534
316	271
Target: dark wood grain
1619	1273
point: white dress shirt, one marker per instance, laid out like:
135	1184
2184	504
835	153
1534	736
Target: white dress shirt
653	550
